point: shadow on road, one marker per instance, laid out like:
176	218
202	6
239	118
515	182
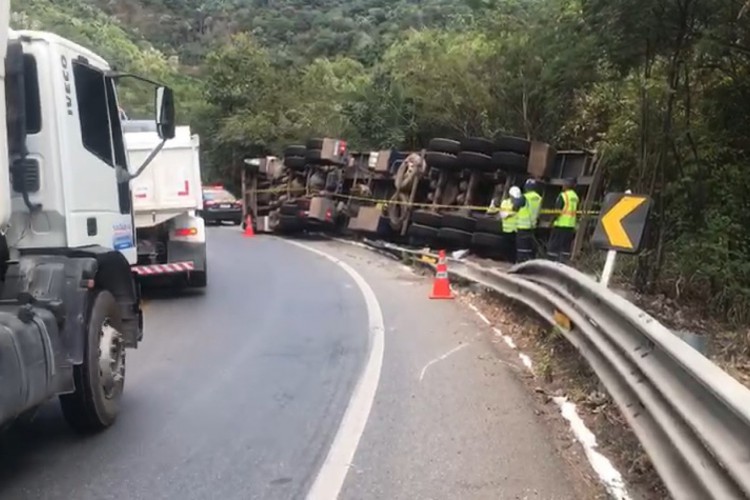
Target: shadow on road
26	444
169	292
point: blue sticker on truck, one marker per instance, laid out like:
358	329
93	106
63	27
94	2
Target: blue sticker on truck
122	236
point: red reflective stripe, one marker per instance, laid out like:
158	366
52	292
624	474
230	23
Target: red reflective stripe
186	191
173	267
566	205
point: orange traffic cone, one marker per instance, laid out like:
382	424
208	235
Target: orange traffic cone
249	233
441	287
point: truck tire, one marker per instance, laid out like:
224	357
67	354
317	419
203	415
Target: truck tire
295	162
472	160
512	144
291	208
289	224
421	234
442	145
295	150
478	145
440	160
510	162
487	240
454	237
99	382
426	218
490	225
458	221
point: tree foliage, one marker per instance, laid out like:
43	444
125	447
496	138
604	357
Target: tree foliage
662	88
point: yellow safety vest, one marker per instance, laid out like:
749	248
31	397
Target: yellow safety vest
568	217
510	222
534	202
529	213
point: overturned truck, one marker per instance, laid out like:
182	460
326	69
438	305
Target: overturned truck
438	196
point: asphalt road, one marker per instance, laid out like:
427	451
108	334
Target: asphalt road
238	393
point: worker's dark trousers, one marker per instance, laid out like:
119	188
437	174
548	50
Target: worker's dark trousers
524	245
560	243
509	247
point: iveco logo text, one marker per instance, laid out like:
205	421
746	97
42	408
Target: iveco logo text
66	79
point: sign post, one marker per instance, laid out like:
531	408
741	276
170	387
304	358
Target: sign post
620	228
609	266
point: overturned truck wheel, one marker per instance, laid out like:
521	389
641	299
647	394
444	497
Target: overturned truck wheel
420	235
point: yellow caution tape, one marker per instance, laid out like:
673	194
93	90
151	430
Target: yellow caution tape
278	190
383	203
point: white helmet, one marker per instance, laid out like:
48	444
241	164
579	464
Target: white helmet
515	192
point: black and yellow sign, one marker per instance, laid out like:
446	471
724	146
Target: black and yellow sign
622	222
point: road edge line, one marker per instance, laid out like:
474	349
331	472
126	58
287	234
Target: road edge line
332	473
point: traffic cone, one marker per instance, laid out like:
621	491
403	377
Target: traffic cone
441	286
249	233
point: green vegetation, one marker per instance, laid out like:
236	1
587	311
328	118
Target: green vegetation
662	88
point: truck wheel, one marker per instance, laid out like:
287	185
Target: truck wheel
100	379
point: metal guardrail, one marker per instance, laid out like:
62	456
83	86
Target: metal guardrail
692	418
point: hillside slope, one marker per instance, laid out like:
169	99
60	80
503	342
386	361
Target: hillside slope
122	45
294	30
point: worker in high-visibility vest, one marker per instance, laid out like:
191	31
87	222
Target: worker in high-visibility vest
509	215
526	221
564	226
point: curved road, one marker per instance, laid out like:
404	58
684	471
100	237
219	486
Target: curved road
237	393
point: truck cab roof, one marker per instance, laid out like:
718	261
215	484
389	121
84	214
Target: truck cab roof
52	39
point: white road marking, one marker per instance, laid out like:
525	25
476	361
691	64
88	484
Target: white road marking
609	476
526	362
479	313
506	338
512	344
332	474
408	269
440	358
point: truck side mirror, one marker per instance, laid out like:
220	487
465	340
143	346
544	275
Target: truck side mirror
164	112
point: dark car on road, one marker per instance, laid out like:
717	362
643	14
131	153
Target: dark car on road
220	205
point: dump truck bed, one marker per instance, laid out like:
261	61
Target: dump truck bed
171	184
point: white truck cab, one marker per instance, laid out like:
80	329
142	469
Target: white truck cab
69	302
71	120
